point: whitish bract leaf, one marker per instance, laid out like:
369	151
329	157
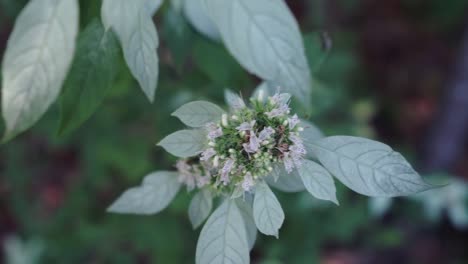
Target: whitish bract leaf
184	143
198	113
245	207
136	31
223	238
155	194
38	54
91	76
153	5
264	37
283	181
234	101
318	181
200	207
195	12
368	167
310	134
267	211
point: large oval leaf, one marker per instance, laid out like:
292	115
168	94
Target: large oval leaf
223	238
195	12
155	194
368	167
264	37
184	143
245	207
38	55
198	113
318	181
91	76
267	211
136	31
200	207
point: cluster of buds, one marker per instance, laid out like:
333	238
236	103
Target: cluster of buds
245	145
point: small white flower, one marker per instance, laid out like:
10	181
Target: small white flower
288	162
280	99
278	111
254	142
248	182
215	133
246	126
266	133
293	121
228	165
202	181
207	154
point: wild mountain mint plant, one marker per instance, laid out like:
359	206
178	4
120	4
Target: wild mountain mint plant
231	158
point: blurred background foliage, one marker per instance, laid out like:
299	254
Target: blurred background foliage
380	70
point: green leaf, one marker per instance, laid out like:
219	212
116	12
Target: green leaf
195	12
283	181
246	210
264	37
184	143
200	207
223	238
318	181
368	167
136	31
267	211
234	101
92	74
154	195
36	61
198	113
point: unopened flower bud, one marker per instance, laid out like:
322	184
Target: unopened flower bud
270	169
211	144
216	161
232	151
265	142
261	95
300	129
224	120
234	117
285	122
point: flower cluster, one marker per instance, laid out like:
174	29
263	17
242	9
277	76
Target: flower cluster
245	145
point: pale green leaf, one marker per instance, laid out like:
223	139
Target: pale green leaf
310	134
234	100
200	207
264	37
283	181
136	31
245	207
154	195
153	5
195	12
368	167
223	238
318	181
198	113
184	143
36	61
91	76
267	211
